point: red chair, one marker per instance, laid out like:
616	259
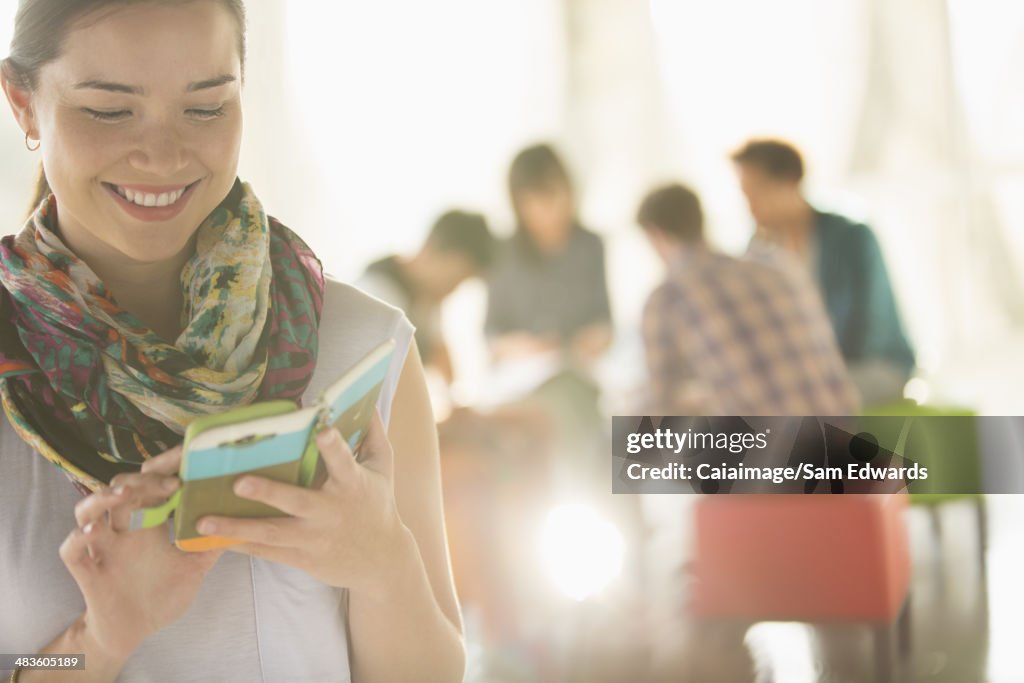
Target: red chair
807	558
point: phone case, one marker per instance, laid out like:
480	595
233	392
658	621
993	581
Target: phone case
273	439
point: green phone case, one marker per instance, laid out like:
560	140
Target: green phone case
287	452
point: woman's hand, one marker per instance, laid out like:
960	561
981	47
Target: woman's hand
346	533
134	582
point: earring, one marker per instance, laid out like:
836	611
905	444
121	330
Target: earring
29	147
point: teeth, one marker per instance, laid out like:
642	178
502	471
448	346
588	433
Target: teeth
144	199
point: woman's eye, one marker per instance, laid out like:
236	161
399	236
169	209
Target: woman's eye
99	115
206	114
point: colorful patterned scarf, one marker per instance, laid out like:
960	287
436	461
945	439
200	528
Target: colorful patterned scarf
95	391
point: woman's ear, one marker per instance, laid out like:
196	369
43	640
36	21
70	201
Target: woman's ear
20	100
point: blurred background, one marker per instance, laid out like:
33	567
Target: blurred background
365	121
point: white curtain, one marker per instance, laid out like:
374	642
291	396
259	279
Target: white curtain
917	159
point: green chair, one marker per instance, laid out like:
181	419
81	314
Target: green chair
950	450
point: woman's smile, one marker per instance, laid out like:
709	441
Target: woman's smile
151	202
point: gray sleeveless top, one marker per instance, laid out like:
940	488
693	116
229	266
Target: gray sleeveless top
253	620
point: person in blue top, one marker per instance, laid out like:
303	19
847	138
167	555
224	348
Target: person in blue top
843	256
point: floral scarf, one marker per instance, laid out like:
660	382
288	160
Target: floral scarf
95	391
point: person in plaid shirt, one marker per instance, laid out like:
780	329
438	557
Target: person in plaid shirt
723	336
732	336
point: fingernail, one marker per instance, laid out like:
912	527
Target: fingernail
243	487
87	528
169	485
328	436
118	490
206	527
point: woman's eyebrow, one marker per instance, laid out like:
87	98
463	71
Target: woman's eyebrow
211	83
109	86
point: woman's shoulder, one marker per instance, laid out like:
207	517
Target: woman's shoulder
588	234
587	241
357	318
352	324
340	295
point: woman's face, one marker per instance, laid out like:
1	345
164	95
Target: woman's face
140	123
547	213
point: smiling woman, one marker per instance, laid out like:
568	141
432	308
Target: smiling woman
107	116
147	288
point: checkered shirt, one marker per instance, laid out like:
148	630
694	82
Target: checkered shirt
731	336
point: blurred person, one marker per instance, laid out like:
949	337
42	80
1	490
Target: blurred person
731	336
547	291
460	246
844	258
548	316
548	322
149	287
723	336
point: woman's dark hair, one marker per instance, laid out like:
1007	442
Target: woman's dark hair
534	169
675	210
40	28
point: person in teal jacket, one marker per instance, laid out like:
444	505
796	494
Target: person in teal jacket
844	257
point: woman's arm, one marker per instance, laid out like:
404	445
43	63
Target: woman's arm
414	632
375	527
101	667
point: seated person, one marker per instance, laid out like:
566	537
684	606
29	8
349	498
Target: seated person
723	336
547	290
730	336
845	260
460	246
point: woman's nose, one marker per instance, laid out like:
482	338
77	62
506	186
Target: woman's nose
160	151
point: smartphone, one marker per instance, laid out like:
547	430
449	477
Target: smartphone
273	439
